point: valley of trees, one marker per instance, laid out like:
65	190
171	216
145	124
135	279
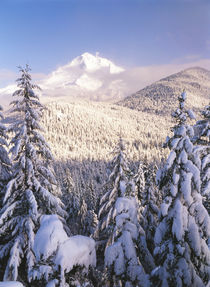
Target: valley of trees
122	222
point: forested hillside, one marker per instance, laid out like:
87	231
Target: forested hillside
83	129
82	135
161	96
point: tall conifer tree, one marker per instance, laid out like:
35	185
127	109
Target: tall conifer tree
32	190
116	187
5	164
119	226
184	228
202	152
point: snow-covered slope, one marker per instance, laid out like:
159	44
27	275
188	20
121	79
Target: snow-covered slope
161	96
81	129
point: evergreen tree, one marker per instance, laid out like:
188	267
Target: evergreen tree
71	196
150	210
119	226
147	213
139	180
82	214
5	164
31	191
88	220
116	187
202	128
184	227
91	195
121	257
92	223
202	151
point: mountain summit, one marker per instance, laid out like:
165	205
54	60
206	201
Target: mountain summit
91	63
86	76
161	96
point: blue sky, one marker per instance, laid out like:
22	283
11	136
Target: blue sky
50	33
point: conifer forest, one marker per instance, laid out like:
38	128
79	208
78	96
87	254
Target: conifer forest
125	222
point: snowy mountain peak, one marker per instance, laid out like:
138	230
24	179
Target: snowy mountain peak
91	63
87	76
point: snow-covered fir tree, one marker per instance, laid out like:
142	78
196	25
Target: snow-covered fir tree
202	151
202	128
184	228
71	198
139	179
32	190
119	226
115	187
147	210
82	214
87	220
92	222
150	208
65	181
91	195
5	164
121	257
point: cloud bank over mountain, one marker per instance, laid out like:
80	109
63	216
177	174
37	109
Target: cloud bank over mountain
87	76
93	77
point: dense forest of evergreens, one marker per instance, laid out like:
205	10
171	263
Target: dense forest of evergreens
137	220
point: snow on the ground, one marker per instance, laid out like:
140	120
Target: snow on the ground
77	250
11	284
49	236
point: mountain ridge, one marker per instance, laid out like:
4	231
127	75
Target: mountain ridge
161	96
